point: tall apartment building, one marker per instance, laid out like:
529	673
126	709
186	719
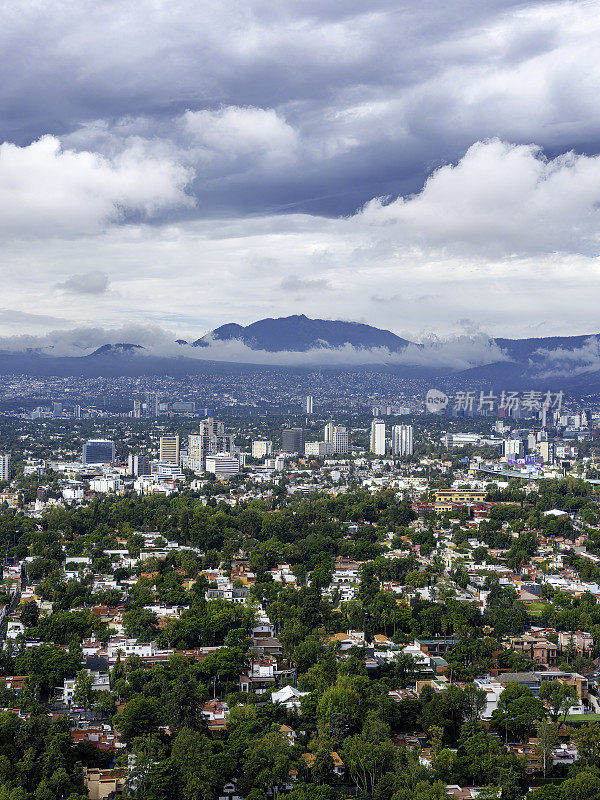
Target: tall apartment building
308	404
169	450
513	448
377	445
261	448
402	440
98	451
292	440
210	440
4	466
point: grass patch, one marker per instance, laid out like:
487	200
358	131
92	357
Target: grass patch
536	608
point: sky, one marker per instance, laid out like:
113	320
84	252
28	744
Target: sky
430	168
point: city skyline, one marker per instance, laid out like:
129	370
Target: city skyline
425	170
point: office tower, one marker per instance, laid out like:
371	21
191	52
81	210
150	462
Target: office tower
308	404
57	410
169	450
77	412
222	464
378	437
402	440
137	408
547	452
261	448
98	451
337	437
138	465
292	440
4	466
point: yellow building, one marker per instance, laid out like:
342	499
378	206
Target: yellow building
169	449
461	496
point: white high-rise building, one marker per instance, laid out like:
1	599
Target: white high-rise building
261	448
402	440
4	466
378	437
210	440
308	404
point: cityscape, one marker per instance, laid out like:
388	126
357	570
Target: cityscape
300	400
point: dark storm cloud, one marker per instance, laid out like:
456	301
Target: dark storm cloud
364	98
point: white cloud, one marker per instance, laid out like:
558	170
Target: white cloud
502	199
565	362
48	191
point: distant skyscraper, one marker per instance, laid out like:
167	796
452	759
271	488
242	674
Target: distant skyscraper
4	466
98	451
169	449
402	440
378	437
292	440
308	404
77	412
57	409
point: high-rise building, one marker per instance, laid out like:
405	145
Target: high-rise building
402	440
57	409
4	466
547	452
308	404
337	437
210	440
261	448
77	411
513	448
169	449
292	440
137	408
378	437
138	465
98	451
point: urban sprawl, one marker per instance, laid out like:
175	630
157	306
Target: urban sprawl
237	588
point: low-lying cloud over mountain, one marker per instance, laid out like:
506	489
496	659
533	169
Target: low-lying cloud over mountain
302	342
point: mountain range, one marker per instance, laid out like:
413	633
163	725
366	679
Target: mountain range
300	342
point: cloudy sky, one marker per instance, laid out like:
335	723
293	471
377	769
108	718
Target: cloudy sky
424	167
